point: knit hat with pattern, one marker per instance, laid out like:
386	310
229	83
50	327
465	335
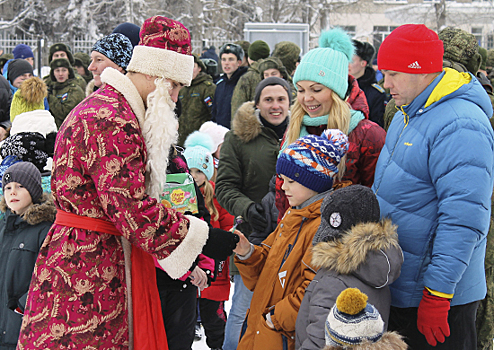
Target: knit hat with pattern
313	160
164	50
328	64
258	50
198	147
22	51
117	47
412	49
352	320
26	174
27	146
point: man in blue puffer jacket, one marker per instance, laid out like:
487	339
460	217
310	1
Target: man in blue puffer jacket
434	179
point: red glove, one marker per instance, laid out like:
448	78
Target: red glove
432	318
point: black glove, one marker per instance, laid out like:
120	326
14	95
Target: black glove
255	217
220	244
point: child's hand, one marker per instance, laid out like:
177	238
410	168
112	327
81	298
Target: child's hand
243	246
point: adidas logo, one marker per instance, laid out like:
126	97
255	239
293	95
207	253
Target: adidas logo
414	65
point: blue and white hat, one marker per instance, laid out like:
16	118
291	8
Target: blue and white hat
117	47
352	320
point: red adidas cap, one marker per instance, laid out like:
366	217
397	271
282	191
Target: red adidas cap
413	49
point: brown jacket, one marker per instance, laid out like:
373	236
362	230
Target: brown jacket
281	277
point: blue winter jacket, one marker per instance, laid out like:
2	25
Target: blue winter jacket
434	179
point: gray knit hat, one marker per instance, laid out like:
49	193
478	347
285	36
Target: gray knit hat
269	82
344	208
27	175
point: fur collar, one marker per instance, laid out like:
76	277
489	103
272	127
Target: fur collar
348	253
36	213
90	87
125	86
246	124
389	341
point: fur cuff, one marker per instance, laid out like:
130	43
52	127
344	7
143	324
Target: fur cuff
162	63
181	259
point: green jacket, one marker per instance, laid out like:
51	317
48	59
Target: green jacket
62	98
247	164
246	87
197	100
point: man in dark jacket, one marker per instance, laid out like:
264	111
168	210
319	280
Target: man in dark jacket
361	69
197	101
231	56
244	174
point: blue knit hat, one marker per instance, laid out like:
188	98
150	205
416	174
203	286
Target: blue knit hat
353	321
117	47
328	64
130	30
197	154
313	160
22	51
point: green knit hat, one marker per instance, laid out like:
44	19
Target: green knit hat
288	53
258	50
461	47
328	64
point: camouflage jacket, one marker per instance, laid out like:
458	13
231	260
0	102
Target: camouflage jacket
62	98
246	86
80	81
197	101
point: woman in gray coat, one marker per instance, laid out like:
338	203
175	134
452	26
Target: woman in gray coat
353	250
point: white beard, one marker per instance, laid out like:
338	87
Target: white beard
160	132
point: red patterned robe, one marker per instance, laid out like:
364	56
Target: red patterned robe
78	298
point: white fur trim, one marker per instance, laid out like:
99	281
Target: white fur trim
162	63
182	258
38	120
125	86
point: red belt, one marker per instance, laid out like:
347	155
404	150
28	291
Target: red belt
149	329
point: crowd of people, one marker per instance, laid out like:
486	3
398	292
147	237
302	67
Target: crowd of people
349	205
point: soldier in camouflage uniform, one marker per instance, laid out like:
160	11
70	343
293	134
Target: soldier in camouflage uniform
270	65
246	86
196	100
64	95
60	50
81	62
289	54
489	64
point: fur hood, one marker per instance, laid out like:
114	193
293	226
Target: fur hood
389	341
349	253
36	213
246	123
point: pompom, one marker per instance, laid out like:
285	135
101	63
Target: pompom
201	139
351	301
33	90
337	39
338	138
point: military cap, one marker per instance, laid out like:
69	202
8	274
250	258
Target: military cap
461	47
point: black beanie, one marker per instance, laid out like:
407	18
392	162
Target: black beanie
269	82
26	174
17	68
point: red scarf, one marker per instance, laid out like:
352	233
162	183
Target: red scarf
149	329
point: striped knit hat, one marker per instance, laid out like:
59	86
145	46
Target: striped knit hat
352	320
313	160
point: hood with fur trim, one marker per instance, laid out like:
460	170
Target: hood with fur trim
246	123
38	212
351	254
389	341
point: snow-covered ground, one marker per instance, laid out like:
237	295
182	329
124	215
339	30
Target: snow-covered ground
201	345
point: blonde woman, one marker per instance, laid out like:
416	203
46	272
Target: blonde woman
324	97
